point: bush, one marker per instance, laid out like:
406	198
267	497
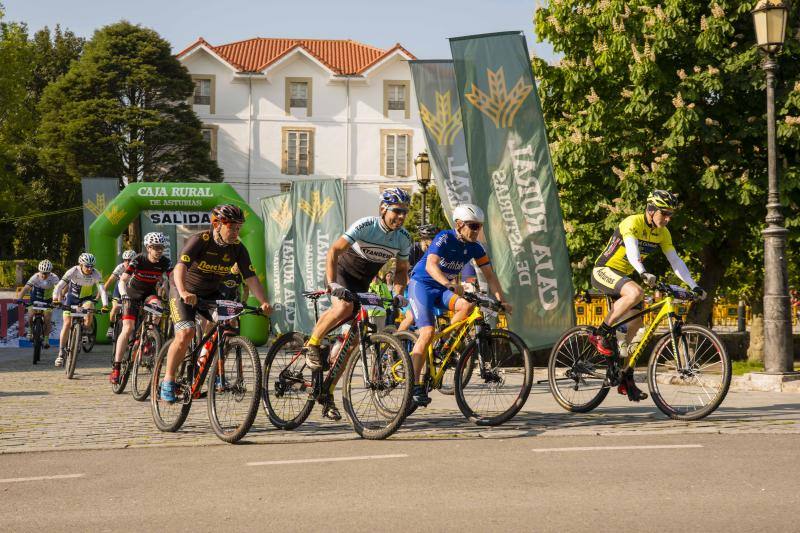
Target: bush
8	272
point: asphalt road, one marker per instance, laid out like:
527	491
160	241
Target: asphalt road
708	482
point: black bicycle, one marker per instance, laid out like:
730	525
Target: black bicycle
78	329
232	366
37	327
143	346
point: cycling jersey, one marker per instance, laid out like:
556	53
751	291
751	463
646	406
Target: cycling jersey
649	238
230	289
208	263
372	245
145	275
453	255
119	270
39	286
75	280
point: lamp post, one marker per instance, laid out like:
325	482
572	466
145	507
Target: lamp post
422	167
769	18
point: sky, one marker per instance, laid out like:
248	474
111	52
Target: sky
421	26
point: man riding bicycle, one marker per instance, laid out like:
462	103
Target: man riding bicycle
39	285
75	279
426	234
353	260
433	283
139	281
636	237
113	281
204	262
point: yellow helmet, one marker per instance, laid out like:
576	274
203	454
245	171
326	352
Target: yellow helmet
662	200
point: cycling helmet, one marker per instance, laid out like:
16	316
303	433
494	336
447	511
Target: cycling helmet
45	267
227	213
395	196
155	238
127	255
427	231
86	259
662	200
468	213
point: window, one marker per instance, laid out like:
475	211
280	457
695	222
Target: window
395	153
286	186
204	91
298	95
298	151
210	135
396	94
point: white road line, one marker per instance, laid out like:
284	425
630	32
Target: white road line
602	448
329	459
39	478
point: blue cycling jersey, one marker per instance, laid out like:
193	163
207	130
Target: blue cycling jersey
453	255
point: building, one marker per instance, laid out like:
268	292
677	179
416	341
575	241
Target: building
278	110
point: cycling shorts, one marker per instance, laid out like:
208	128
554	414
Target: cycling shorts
425	299
71	299
610	281
132	304
352	283
183	315
116	295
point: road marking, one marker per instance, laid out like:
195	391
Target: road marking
329	459
602	448
39	478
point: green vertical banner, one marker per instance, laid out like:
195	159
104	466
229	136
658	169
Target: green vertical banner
437	96
318	220
277	216
96	194
513	181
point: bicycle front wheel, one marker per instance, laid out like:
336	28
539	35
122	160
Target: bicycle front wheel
287	382
90	336
493	378
170	416
36	335
234	388
377	388
124	372
74	349
143	366
690	380
576	372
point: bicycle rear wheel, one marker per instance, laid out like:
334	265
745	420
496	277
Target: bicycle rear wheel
576	372
689	384
143	366
376	396
287	382
170	416
234	388
74	350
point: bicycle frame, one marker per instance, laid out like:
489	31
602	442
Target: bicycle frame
436	374
666	309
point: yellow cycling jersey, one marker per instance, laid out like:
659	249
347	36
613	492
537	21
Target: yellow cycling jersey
649	238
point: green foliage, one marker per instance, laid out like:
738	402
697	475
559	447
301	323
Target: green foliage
8	271
667	95
434	215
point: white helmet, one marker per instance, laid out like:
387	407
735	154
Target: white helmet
45	267
155	238
468	213
127	255
86	259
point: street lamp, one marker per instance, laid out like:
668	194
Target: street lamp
769	18
422	167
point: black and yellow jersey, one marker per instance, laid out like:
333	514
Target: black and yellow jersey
208	263
649	238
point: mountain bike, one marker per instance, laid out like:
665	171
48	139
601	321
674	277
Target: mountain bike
375	367
688	374
37	327
75	337
232	366
492	368
139	358
89	337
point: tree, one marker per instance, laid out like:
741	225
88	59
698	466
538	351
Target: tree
434	215
666	95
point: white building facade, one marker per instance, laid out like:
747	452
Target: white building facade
279	110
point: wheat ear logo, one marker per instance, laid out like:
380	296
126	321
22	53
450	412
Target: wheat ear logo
114	215
499	105
283	216
444	125
317	208
98	206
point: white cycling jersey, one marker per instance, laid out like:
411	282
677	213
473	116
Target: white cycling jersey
38	286
74	279
119	270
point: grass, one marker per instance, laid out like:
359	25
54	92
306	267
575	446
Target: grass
743	367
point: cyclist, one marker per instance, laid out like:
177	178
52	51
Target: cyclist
112	281
352	262
433	283
636	237
205	260
426	233
136	284
71	285
39	286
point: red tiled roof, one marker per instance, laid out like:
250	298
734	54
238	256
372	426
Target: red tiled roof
342	57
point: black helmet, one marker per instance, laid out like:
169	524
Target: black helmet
227	213
427	231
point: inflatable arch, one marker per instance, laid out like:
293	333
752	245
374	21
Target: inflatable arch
152	196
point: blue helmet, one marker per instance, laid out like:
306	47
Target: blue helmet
395	196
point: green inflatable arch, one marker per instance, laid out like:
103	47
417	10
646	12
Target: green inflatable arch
138	197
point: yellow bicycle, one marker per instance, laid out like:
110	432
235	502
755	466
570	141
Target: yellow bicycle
688	374
493	368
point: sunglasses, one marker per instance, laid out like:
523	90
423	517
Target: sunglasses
667	212
398	210
157	248
473	226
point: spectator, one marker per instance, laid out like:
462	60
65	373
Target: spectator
378	315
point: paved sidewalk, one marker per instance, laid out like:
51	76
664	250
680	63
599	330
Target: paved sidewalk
41	410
